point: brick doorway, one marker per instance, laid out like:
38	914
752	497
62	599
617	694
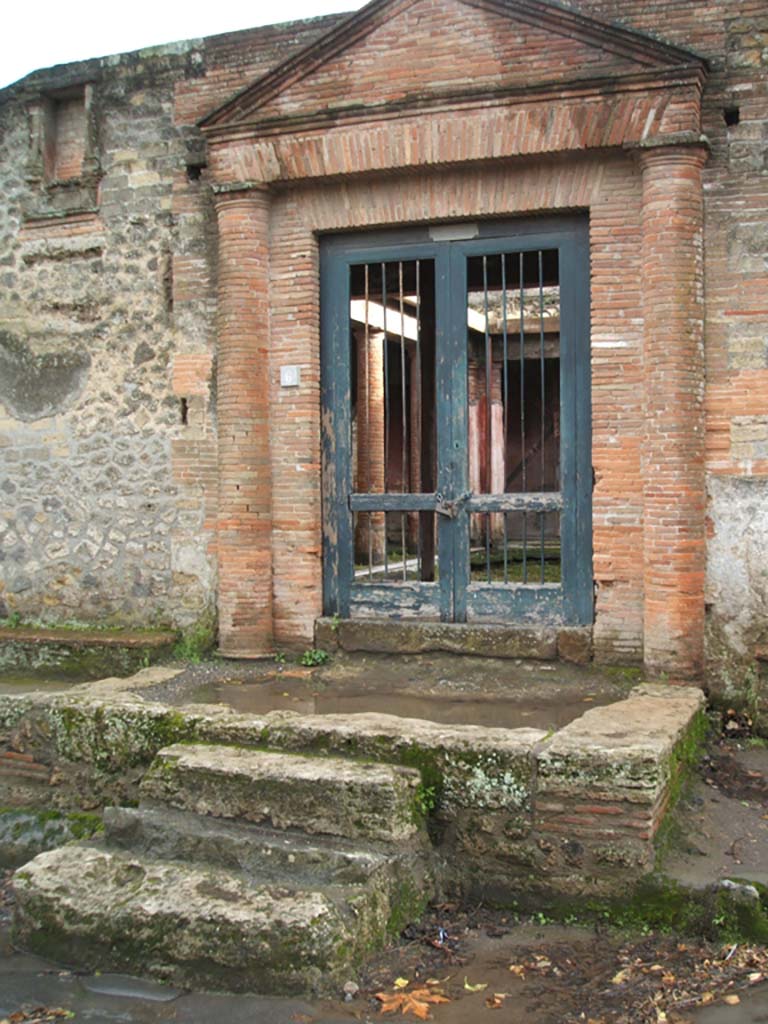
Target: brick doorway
456	411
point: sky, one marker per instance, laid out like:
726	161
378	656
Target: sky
47	32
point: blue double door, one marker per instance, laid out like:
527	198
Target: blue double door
457	471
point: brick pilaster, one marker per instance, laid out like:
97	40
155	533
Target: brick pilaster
245	491
673	460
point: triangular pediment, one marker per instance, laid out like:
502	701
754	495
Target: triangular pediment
400	54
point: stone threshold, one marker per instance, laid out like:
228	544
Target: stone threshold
492	640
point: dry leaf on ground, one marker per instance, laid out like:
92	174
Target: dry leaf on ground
416	1002
480	987
496	1001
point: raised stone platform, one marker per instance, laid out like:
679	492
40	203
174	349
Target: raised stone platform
40	635
333	805
83	652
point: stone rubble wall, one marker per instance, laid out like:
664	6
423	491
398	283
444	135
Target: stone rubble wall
93	523
108	472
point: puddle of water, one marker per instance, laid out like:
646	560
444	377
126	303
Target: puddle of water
490	710
126	987
45	680
48	679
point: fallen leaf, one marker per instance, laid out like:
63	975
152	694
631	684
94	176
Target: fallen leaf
754	977
732	1000
496	1001
517	969
706	998
401	983
416	1002
622	976
480	987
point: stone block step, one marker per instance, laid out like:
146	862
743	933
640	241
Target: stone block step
262	854
191	924
318	795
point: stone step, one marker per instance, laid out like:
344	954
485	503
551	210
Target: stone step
189	924
262	854
317	795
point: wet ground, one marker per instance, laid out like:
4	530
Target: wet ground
48	680
458	967
440	687
721	824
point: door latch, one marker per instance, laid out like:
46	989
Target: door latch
451	508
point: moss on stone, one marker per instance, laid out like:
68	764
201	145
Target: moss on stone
407	903
25	832
657	903
115	737
739	916
680	767
197	642
628	675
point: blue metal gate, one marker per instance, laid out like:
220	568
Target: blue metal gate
457	472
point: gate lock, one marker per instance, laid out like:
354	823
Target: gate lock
451	508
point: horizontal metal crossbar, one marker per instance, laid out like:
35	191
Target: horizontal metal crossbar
535	501
545	501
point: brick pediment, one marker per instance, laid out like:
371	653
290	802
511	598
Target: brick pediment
397	56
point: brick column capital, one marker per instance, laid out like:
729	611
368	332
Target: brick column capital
240	192
665	156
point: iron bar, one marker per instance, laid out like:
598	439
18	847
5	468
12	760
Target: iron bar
367	356
404	418
505	401
542	398
386	408
522	413
488	418
419	422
